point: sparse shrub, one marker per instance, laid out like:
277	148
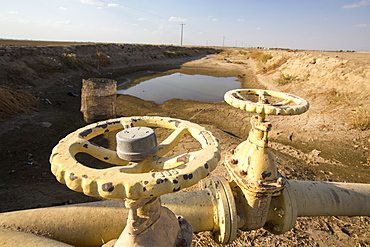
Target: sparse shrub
334	97
102	58
243	53
170	54
271	68
173	54
226	52
285	79
260	56
360	119
70	60
234	61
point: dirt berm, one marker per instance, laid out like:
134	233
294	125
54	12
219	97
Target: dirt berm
330	142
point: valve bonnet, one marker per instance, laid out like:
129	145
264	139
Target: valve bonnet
136	143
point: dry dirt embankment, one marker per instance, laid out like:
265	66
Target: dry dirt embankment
33	66
318	145
338	87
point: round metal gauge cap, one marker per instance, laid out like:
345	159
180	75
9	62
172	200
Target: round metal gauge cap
136	143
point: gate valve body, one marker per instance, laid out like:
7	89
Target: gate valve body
251	164
140	173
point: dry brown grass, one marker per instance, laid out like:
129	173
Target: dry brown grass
273	67
336	97
14	101
360	119
260	56
285	79
70	60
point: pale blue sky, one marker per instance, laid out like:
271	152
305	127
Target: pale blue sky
295	24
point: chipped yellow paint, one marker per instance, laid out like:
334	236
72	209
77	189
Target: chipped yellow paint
291	104
251	164
150	177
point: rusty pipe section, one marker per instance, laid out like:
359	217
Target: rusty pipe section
312	198
331	199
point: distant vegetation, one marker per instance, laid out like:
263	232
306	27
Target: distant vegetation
286	79
346	51
260	56
173	54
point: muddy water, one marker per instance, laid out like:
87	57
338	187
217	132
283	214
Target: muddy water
159	87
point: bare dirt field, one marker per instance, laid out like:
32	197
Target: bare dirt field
330	142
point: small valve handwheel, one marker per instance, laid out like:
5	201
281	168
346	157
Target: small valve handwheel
291	104
152	176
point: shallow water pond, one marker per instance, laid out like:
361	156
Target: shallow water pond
159	87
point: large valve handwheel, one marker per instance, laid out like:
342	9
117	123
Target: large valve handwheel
152	176
290	104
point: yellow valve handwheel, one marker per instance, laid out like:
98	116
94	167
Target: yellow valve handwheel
152	176
291	104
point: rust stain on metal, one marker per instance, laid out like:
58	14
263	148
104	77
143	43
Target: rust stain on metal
185	158
72	176
107	187
234	161
335	195
243	173
177	122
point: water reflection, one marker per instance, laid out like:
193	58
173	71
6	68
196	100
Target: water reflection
161	87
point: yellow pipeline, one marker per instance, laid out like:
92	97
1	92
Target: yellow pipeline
311	198
334	199
95	223
14	238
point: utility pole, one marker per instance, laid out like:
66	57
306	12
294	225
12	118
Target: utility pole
182	31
